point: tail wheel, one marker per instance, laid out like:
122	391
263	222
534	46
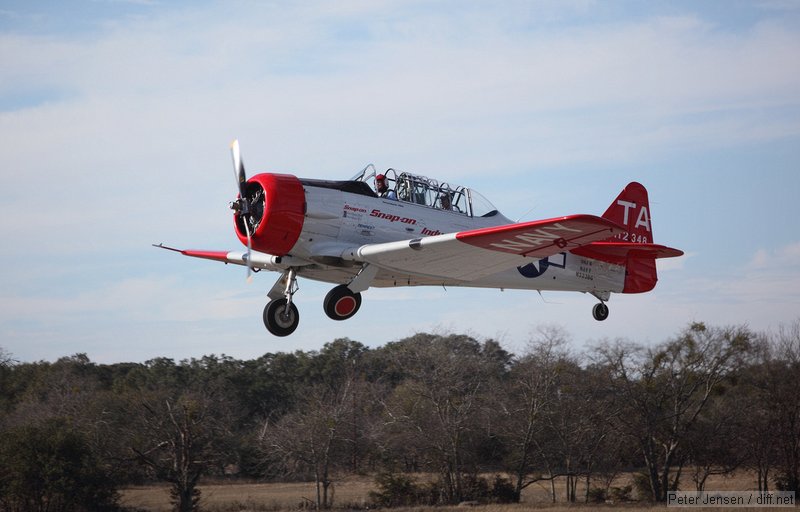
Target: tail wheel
600	312
341	303
279	319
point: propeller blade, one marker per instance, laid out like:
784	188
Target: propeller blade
238	166
243	206
249	251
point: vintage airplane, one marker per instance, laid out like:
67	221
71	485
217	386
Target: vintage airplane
402	229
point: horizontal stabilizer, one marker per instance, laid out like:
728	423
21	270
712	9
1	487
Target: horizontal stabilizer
619	252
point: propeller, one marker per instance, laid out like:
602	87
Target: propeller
241	204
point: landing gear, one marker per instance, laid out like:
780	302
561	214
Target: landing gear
281	317
341	303
600	311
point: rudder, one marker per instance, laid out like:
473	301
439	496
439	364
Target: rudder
631	209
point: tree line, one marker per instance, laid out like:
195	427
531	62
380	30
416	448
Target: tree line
708	401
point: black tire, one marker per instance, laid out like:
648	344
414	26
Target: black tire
600	312
278	321
340	303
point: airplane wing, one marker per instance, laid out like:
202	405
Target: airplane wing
237	258
258	260
470	255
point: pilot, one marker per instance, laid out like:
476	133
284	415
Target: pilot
383	189
444	199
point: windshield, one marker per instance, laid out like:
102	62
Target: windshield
424	191
481	207
365	174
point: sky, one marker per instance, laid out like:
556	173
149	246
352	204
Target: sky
116	118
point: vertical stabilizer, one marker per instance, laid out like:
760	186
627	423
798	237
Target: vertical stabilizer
631	208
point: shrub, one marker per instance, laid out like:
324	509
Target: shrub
503	491
396	490
641	483
597	495
399	490
618	494
474	488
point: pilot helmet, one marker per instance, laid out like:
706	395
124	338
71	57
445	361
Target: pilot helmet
380	183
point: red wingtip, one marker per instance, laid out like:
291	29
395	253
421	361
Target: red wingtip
209	255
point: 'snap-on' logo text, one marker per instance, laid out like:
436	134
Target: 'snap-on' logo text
392	217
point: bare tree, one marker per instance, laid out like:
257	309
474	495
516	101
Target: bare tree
789	412
311	437
662	391
437	407
776	409
6	359
580	425
713	446
7	363
179	438
526	400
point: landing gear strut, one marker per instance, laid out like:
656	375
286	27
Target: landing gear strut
281	316
600	311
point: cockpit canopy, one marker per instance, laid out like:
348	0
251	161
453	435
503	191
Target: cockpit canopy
417	189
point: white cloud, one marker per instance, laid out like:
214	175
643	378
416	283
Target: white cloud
139	299
673	264
127	144
762	292
781	257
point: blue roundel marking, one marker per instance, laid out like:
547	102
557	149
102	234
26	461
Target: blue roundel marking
531	270
538	268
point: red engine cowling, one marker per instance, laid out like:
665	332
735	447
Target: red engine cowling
277	209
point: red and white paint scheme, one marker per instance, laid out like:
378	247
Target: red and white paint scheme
416	231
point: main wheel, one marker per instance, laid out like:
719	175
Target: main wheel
341	303
600	312
279	320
